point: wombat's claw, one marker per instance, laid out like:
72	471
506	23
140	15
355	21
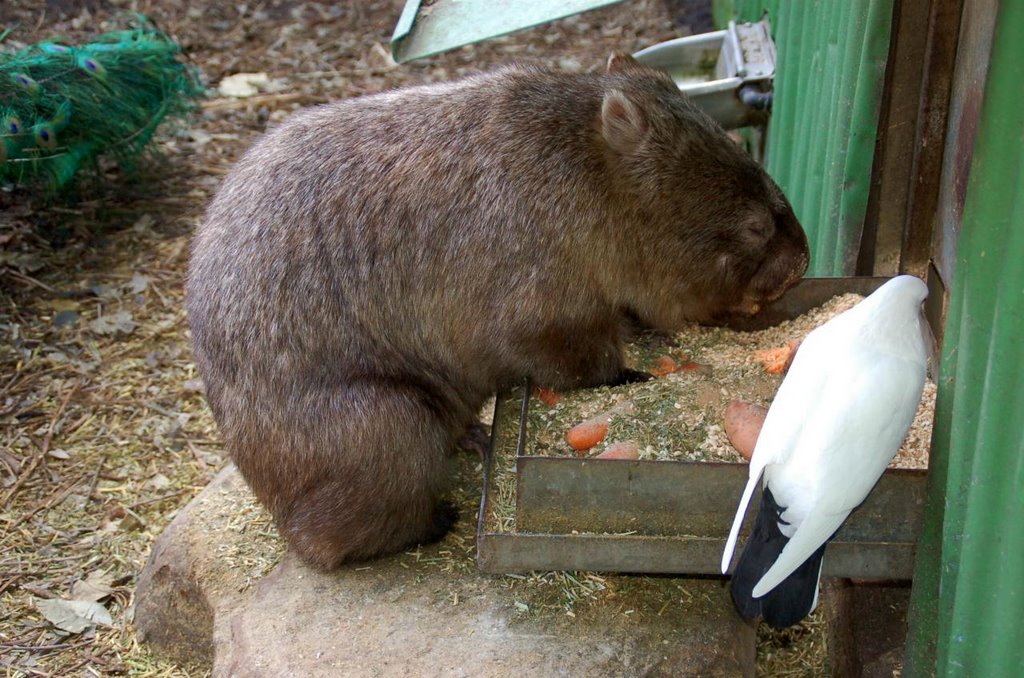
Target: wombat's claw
476	439
629	376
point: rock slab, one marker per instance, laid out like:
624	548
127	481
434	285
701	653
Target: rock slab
203	598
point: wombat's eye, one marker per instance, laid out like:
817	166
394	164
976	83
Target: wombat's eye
760	229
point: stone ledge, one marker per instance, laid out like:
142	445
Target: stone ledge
201	599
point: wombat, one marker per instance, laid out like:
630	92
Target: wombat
373	269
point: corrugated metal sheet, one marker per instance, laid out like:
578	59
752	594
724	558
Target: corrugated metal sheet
821	142
968	598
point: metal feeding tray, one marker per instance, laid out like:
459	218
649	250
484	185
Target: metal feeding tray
671	516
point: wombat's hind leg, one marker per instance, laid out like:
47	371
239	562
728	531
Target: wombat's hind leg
378	490
445	516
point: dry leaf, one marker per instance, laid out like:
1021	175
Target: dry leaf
144	224
243	84
73	616
194	386
139	283
27	262
200	137
111	323
61	304
104	291
66	319
159	482
96	586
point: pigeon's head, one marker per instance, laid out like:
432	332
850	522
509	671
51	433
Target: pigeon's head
907	287
893	319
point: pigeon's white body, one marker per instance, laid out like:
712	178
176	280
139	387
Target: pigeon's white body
838	419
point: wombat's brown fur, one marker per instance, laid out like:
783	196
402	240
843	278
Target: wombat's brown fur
373	269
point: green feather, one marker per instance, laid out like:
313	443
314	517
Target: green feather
63	105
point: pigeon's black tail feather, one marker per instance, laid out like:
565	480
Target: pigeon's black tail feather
793	598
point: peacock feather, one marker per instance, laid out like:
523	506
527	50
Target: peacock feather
62	106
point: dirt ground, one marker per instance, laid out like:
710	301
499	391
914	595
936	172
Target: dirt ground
104	433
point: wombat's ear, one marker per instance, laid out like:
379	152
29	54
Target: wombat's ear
622	122
620	62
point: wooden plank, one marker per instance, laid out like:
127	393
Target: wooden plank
927	173
895	147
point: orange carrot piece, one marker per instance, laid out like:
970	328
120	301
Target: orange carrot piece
743	422
665	366
627	449
794	346
547	396
774	359
585	435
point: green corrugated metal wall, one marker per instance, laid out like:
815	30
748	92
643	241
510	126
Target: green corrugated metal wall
968	602
821	142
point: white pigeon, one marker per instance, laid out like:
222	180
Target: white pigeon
837	421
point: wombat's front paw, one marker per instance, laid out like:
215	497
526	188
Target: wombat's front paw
629	376
475	439
445	515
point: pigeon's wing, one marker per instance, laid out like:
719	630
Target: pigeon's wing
850	437
730	543
795	400
862	420
795	403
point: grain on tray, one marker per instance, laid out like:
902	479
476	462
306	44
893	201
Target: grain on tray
681	414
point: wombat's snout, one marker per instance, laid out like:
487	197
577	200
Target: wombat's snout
770	282
782	269
747	307
793	253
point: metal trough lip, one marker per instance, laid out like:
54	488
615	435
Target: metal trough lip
673	516
692	50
